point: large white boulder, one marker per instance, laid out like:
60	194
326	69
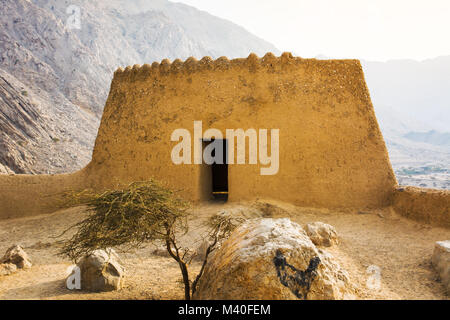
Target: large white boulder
101	271
272	259
441	262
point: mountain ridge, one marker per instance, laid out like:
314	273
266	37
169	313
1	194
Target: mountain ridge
67	71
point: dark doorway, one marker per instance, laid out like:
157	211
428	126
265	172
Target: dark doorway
219	171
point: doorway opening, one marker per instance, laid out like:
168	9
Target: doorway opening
218	169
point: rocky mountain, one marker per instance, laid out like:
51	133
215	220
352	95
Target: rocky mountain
57	59
41	132
431	137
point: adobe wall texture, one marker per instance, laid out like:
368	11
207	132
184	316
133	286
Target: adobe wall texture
425	205
332	153
28	195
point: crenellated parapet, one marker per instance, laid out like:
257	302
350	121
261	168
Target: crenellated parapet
253	63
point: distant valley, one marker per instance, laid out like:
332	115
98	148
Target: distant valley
412	103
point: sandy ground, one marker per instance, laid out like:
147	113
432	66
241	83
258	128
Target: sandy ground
400	248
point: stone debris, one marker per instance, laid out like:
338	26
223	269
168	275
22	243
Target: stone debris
321	234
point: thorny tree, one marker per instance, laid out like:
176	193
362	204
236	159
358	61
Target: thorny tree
142	212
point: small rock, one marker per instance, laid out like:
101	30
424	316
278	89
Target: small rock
17	256
101	271
441	262
322	234
7	269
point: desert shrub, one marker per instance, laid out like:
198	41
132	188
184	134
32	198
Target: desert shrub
141	213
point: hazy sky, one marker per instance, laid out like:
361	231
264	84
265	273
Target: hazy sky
367	29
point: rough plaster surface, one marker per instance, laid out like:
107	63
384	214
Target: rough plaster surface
27	195
425	205
332	153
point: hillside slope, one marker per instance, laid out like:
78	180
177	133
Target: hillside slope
66	71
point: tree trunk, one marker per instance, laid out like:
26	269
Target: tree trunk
187	286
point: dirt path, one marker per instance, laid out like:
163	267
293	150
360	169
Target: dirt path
400	248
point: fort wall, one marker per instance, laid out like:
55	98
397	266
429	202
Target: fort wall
332	153
28	195
425	205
